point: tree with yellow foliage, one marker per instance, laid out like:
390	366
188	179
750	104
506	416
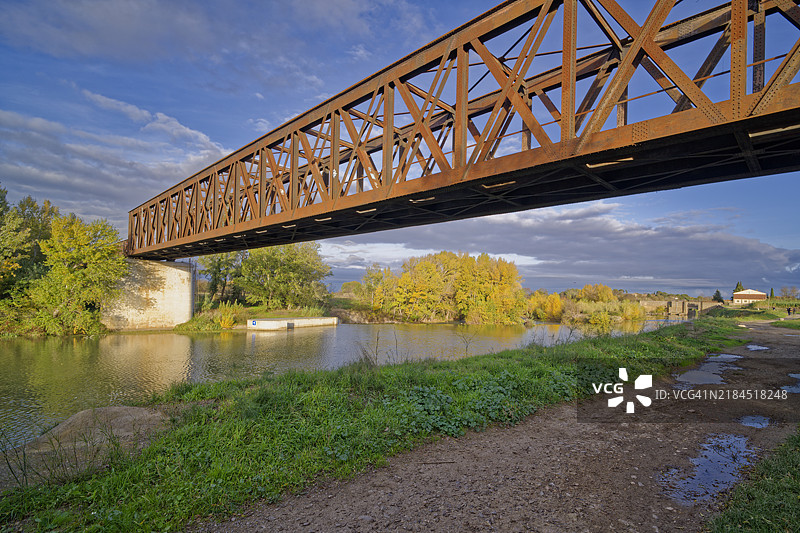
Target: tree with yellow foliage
597	293
447	286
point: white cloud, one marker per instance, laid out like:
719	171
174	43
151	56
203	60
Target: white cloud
177	131
349	254
261	125
99	173
131	111
359	53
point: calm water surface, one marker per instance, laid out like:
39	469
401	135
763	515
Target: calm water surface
43	382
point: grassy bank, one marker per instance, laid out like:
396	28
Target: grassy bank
746	313
227	316
259	439
770	500
790	324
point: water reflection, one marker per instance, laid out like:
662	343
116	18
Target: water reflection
45	381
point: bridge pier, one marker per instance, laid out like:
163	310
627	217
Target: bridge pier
155	294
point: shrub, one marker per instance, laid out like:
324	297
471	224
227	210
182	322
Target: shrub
228	314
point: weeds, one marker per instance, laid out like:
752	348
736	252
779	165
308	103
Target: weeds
57	458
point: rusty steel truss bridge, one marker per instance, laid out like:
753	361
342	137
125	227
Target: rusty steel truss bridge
534	103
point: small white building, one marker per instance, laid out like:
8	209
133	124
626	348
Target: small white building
748	296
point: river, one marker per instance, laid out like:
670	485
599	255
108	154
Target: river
45	381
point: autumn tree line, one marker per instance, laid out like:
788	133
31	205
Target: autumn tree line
446	286
56	271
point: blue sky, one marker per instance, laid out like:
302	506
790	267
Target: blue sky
106	103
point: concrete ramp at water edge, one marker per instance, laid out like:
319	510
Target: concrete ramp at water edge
277	324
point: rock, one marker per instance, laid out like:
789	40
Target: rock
96	426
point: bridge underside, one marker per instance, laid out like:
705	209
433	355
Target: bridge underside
322	175
754	148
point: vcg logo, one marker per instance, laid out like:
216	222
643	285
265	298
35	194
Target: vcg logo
645	381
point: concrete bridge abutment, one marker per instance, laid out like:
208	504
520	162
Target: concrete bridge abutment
154	295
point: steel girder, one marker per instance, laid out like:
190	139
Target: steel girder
483	120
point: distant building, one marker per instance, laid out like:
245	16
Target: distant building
748	296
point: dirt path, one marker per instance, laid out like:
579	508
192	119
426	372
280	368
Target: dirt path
553	472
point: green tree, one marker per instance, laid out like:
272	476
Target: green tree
285	276
14	244
771	293
370	282
718	297
351	289
3	201
221	269
85	266
739	287
37	221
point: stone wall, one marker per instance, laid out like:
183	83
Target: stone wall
678	307
155	294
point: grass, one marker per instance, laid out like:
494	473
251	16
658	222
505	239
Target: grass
240	441
770	500
746	313
265	312
227	316
791	324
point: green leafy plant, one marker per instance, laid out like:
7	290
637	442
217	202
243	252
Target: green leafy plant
228	314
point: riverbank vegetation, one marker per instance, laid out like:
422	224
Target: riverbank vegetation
240	441
56	272
285	280
445	287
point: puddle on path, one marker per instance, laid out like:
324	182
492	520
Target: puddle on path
717	468
756	347
754	421
793	388
708	373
